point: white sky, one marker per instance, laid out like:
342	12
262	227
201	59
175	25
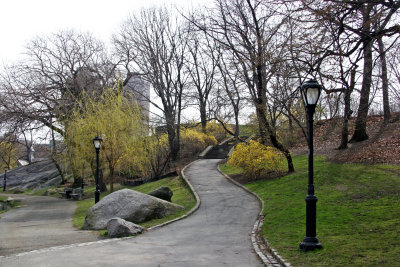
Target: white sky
22	20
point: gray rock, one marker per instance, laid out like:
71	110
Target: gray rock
129	205
118	227
34	176
163	192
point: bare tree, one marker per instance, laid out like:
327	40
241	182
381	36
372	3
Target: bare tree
367	21
43	88
153	44
201	64
394	85
385	80
248	29
233	87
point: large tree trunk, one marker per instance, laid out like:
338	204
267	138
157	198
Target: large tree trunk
236	112
102	184
385	82
54	158
347	111
267	134
111	177
172	137
203	117
360	132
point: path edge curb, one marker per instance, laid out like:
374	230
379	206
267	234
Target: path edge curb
196	207
256	232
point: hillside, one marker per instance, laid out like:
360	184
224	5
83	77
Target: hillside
383	145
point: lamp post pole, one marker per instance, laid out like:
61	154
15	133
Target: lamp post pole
97	144
97	192
5	179
310	91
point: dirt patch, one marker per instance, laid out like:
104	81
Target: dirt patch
383	145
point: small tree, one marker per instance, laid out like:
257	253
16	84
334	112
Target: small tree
117	119
8	154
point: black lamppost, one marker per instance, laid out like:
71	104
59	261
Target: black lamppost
5	179
97	144
310	92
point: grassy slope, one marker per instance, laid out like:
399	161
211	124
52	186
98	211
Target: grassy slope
358	213
182	196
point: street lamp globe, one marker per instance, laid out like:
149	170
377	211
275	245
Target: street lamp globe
310	91
97	142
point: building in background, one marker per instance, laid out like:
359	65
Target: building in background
140	89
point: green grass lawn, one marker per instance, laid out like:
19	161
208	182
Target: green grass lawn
182	196
358	213
229	169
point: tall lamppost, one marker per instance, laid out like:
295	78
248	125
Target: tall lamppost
310	92
97	144
5	179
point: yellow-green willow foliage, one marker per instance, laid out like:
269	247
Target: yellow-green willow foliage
117	120
8	155
155	156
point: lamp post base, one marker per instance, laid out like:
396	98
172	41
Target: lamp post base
310	243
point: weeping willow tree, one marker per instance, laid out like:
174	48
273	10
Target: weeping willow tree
117	120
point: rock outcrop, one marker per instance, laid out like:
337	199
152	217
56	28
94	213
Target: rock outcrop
34	176
129	205
163	192
117	227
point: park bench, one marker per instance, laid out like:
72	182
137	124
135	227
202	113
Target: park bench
78	193
66	193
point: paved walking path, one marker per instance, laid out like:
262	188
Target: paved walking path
41	222
215	235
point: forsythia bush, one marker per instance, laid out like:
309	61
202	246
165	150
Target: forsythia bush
215	129
257	159
193	141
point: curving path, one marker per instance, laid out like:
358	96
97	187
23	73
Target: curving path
41	222
217	234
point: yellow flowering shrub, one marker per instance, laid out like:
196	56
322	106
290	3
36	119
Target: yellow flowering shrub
256	159
193	142
215	129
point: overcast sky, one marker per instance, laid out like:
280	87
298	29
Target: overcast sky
22	20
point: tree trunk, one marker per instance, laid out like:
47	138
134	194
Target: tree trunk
111	177
54	158
102	184
172	138
262	123
360	132
347	111
203	117
59	169
267	134
237	129
385	82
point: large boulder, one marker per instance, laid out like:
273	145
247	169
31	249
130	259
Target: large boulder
163	192
36	176
129	205
117	227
